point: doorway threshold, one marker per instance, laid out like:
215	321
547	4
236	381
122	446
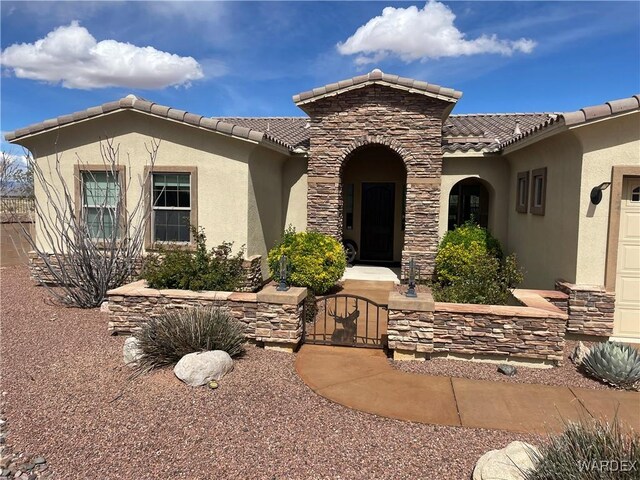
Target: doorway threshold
375	273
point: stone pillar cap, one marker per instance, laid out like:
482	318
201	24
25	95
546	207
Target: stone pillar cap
422	303
293	296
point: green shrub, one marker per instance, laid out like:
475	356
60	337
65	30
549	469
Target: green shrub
470	268
178	267
591	450
316	261
165	339
614	363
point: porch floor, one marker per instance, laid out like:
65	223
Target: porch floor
372	273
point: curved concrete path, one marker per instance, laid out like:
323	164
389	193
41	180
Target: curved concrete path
364	380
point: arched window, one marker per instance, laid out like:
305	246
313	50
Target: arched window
469	199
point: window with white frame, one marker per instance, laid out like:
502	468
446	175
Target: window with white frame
100	203
172	207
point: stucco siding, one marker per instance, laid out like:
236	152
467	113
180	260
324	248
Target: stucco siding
294	193
222	164
264	221
546	245
494	171
607	143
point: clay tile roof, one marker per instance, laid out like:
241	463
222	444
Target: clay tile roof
289	130
378	76
485	131
584	115
490	132
292	132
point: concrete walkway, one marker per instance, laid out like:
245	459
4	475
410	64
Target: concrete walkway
364	380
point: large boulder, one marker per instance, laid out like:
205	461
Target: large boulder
131	351
199	368
507	463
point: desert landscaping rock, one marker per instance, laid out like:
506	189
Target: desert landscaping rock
508	370
565	375
508	463
265	423
199	368
131	352
578	354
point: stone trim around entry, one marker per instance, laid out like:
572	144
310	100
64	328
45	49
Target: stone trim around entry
410	126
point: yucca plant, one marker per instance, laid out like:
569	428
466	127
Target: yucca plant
167	338
614	363
589	450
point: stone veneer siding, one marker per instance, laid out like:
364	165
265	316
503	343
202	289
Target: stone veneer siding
408	123
268	316
252	279
250	282
529	332
590	309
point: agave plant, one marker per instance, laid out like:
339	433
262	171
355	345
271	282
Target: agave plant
614	363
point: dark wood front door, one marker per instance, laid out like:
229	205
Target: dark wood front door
378	205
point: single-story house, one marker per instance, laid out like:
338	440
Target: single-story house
380	160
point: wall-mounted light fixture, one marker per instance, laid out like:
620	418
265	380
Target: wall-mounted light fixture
596	192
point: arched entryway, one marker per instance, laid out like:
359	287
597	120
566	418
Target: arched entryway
374	190
468	200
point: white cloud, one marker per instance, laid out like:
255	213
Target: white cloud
421	34
72	56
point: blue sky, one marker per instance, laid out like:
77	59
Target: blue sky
249	58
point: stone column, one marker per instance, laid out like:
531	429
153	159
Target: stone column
590	309
324	206
410	326
279	318
421	230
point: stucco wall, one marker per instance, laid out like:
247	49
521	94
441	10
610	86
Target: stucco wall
546	245
607	143
494	171
264	221
228	189
294	193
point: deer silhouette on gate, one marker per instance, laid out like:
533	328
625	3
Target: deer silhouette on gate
346	320
346	328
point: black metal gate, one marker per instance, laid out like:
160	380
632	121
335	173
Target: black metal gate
347	320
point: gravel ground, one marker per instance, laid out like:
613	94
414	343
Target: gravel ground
70	400
566	375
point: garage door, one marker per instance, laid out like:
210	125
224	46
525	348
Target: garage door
627	314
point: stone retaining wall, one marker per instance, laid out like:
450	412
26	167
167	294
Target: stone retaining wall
272	317
534	331
410	324
251	281
590	309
